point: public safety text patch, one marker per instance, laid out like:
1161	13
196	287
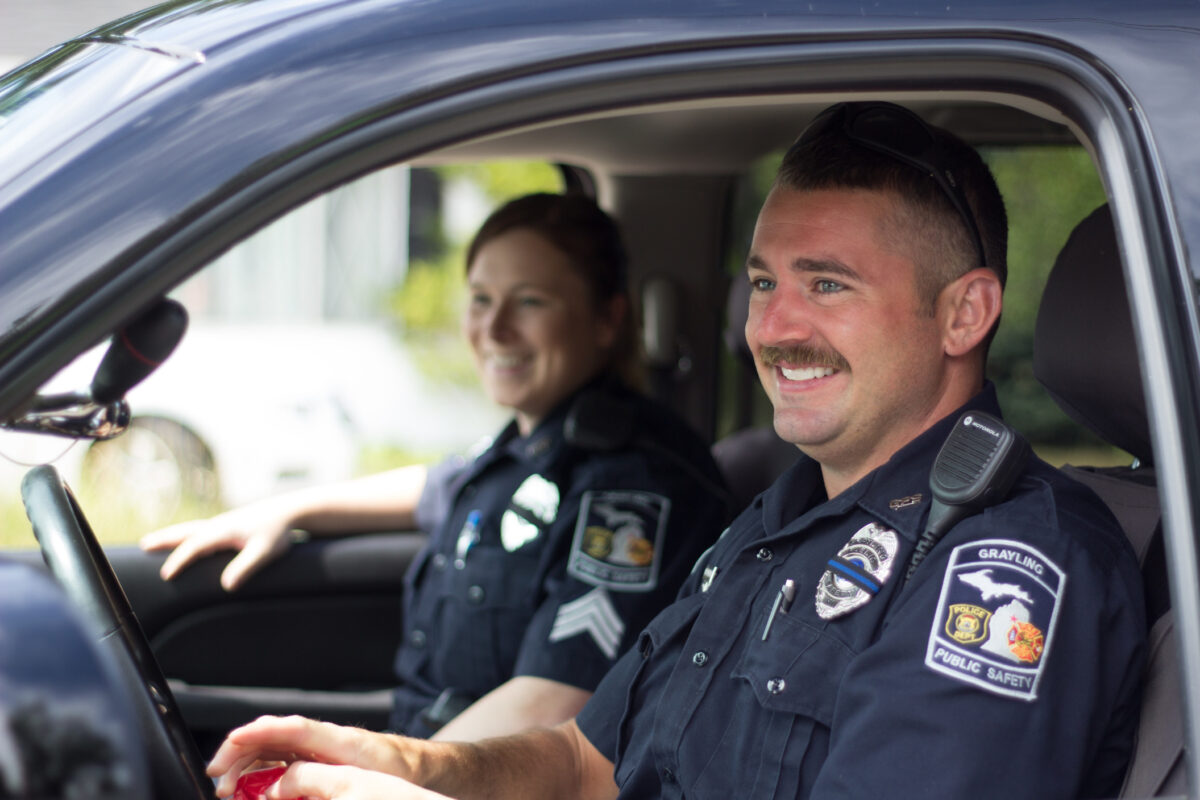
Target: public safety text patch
996	615
618	540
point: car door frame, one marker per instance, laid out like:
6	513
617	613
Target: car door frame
1035	74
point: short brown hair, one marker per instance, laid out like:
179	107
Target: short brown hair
827	156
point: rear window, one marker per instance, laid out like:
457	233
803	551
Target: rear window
325	346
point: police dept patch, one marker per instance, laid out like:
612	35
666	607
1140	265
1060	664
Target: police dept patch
967	624
618	540
996	617
858	571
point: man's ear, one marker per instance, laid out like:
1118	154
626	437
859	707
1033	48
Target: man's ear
968	308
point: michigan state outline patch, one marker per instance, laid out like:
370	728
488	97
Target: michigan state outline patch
618	540
995	618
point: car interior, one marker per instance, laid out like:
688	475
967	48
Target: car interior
1066	341
684	179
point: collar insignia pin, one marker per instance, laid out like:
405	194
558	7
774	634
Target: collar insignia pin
906	502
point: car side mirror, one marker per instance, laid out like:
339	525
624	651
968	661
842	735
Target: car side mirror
100	411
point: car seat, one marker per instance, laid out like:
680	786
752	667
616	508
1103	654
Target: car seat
1086	357
750	459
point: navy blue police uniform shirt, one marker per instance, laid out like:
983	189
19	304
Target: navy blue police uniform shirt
547	559
1007	666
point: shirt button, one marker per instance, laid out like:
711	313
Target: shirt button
475	594
699	658
776	685
765	554
417	638
439	561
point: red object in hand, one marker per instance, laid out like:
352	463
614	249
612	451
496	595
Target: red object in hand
252	784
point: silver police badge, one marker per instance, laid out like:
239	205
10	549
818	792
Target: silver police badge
534	504
857	572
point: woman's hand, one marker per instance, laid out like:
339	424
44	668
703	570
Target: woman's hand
260	532
297	739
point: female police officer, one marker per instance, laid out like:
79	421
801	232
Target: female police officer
550	550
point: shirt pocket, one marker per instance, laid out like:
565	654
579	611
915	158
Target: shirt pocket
794	677
485	609
465	624
663	634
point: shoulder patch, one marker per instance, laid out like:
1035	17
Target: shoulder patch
995	618
618	540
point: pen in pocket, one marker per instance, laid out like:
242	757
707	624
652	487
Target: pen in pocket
783	601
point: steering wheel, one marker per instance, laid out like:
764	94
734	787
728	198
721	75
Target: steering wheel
78	562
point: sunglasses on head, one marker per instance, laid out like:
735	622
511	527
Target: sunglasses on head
900	134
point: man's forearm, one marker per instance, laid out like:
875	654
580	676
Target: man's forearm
547	763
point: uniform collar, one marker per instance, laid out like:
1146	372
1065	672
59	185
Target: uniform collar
539	447
546	442
896	493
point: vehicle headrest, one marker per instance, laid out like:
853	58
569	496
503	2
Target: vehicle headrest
1084	352
737	308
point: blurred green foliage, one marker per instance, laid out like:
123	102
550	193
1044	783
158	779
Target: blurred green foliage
501	181
114	520
14	525
1047	191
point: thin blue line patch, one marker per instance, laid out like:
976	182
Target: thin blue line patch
853	571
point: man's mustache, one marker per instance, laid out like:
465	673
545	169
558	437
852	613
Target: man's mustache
805	355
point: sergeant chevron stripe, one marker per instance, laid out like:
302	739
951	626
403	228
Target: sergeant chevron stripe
593	614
